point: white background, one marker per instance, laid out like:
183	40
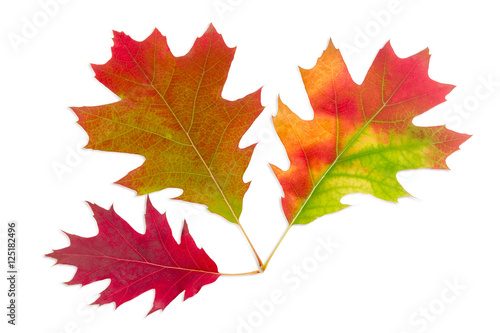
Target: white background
393	259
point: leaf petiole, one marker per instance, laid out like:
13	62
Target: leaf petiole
238	274
263	267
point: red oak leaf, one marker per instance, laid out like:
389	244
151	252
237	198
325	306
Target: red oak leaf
361	135
171	112
136	262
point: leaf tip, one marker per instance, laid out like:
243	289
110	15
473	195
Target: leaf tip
185	229
52	256
93	207
211	28
117	34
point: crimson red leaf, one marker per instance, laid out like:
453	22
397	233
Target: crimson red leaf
136	262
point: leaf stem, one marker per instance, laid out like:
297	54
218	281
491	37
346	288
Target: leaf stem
263	267
251	245
237	274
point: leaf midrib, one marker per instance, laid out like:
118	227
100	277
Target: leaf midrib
144	263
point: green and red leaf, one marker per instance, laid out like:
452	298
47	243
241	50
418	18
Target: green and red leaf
172	113
361	135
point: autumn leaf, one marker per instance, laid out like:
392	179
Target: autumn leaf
361	135
136	262
172	113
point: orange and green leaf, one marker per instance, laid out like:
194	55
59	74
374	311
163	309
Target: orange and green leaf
361	135
172	113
